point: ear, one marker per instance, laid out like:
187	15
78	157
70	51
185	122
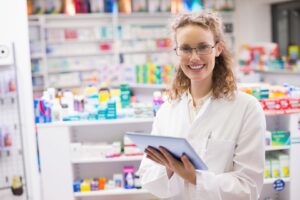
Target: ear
219	48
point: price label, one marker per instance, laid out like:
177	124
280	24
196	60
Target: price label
279	185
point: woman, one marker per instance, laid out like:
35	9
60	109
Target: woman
225	127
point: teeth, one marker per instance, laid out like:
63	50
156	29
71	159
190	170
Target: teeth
197	67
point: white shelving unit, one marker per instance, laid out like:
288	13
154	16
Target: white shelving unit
271	148
280	77
63	134
289	122
108	160
125	45
272	180
107	193
55	147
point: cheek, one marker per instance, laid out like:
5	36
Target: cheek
184	61
210	60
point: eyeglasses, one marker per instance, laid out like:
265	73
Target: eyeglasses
202	49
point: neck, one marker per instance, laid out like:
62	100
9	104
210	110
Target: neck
199	89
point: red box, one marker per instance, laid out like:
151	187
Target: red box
272	104
285	103
294	103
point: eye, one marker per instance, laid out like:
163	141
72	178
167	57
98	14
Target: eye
185	49
203	47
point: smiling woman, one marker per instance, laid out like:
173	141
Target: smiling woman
225	127
204	34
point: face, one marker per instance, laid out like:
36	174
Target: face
197	63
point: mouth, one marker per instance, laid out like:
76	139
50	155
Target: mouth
196	67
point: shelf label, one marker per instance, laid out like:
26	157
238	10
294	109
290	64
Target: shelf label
279	185
295	140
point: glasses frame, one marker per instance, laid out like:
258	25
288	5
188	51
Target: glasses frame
211	48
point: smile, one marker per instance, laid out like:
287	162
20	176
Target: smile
196	67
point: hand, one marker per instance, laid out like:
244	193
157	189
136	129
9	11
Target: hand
159	158
183	168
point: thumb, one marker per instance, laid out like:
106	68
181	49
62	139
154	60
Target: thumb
187	163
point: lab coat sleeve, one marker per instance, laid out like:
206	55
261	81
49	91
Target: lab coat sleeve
154	177
246	180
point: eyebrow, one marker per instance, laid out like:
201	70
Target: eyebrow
201	43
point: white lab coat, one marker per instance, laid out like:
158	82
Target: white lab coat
228	136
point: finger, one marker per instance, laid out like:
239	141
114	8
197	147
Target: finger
157	155
154	159
152	154
169	157
187	163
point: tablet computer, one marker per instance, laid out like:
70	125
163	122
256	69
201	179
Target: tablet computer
176	146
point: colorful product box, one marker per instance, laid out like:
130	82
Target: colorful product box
275	166
284	103
294	103
268	169
281	138
128	172
284	165
270	104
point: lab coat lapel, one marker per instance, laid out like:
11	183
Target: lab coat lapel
201	113
182	124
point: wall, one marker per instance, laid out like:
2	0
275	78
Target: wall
253	21
14	28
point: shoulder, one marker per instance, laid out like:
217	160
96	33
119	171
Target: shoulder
248	100
248	103
242	99
239	105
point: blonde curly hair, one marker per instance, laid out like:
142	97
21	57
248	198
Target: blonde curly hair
224	83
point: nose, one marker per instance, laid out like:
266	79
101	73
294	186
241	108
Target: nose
194	55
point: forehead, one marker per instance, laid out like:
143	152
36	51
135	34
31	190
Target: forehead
193	35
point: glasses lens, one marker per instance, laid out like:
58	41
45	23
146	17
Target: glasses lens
204	49
184	51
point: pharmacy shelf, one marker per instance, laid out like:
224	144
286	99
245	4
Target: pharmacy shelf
37	88
37	74
147	51
98	122
148	86
111	192
281	72
133	86
79	54
281	112
107	160
77	16
71	70
36	56
8	96
78	41
141	38
271	180
68	85
270	148
145	15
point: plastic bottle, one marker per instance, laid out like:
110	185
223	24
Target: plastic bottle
69	100
56	111
157	101
104	93
91	99
129	179
17	186
125	95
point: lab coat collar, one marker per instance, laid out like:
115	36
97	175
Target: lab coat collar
201	112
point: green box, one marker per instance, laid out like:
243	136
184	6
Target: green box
281	138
